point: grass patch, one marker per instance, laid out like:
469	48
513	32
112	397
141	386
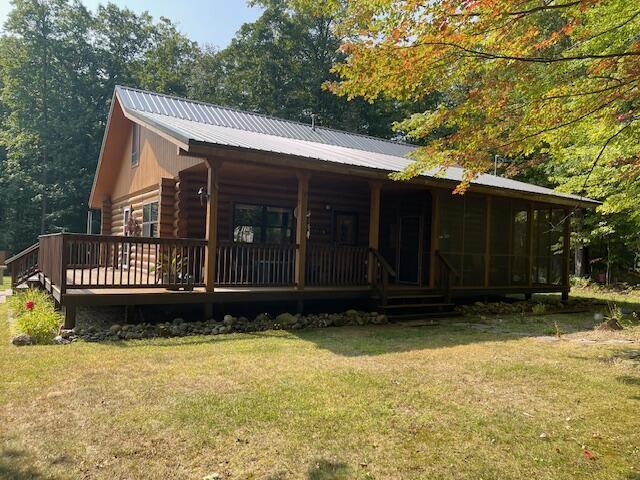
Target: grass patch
344	403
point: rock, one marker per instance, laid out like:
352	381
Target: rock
381	319
178	321
286	319
59	340
351	313
229	320
68	333
115	328
22	339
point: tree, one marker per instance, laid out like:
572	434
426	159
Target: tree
58	67
277	66
551	86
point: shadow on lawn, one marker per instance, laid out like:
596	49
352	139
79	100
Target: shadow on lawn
368	340
14	465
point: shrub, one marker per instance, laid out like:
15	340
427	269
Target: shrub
539	309
36	315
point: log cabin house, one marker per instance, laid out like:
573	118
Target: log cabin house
202	204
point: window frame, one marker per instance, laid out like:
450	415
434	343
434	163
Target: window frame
135	145
155	222
263	226
356	231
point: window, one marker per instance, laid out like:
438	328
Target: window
135	145
262	224
346	228
150	220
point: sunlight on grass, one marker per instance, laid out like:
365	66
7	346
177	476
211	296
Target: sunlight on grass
369	402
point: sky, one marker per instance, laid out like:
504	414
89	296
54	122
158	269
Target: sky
206	21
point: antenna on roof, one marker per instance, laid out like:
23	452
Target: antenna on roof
313	121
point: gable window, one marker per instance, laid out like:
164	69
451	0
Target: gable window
150	220
262	224
135	145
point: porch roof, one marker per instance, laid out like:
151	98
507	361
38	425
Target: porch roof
192	123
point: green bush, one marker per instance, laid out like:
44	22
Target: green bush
539	309
36	315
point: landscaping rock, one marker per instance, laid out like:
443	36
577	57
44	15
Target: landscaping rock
115	328
22	339
229	320
286	320
60	340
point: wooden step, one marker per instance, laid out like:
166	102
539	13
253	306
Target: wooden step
418	305
408	297
420	316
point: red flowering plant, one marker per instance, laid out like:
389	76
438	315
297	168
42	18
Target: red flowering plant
29	305
35	315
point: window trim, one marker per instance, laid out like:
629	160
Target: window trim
135	145
156	222
263	226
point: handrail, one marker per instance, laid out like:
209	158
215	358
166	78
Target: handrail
383	262
446	262
446	275
21	254
24	264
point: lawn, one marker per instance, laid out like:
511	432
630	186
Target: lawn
491	401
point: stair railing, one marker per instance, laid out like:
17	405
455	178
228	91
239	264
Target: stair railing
382	273
23	265
446	274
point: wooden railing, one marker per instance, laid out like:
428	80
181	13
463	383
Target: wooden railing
445	275
383	271
339	265
244	264
106	261
23	265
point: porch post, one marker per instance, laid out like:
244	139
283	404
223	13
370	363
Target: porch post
374	227
301	228
435	226
211	225
566	255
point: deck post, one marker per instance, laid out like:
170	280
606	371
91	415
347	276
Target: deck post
374	228
566	255
435	225
531	245
301	228
213	169
69	312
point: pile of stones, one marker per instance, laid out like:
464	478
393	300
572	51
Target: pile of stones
229	324
505	308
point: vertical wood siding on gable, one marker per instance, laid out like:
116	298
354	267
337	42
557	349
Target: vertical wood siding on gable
158	159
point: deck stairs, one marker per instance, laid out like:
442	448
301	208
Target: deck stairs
402	304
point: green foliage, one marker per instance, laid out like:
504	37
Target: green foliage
551	88
36	315
539	309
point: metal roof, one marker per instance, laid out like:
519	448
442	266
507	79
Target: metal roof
194	122
208	114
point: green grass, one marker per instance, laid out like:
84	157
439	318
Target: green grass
5	282
383	402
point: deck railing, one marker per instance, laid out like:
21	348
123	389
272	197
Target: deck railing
107	261
23	265
244	264
336	265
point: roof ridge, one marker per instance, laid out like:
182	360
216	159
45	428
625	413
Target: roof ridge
264	115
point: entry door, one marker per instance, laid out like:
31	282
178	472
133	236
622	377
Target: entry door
409	249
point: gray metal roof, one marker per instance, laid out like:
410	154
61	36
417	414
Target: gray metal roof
208	114
194	122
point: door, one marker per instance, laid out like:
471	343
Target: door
409	249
